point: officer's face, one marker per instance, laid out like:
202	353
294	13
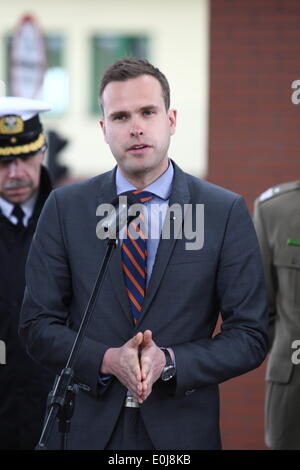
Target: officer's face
137	127
20	177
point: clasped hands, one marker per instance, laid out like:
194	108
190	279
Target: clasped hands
137	364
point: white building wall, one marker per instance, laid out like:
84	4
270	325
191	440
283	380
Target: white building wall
180	33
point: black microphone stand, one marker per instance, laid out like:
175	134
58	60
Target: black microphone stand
61	399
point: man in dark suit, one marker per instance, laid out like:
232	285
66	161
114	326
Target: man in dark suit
149	363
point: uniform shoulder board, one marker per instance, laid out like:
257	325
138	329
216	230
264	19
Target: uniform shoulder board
278	190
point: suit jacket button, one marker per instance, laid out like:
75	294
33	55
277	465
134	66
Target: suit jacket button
189	392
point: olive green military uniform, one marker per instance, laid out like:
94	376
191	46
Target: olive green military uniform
277	221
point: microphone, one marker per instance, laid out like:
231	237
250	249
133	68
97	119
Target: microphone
121	212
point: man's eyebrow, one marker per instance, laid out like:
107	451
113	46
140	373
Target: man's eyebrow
149	107
118	113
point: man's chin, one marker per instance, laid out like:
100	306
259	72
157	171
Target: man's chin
139	166
17	196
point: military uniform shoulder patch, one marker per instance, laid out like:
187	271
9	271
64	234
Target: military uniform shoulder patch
278	190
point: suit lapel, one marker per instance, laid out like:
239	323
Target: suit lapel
107	193
117	279
179	196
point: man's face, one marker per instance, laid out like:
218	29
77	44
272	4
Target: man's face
137	126
20	177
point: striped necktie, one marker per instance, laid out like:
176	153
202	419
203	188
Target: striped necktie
134	259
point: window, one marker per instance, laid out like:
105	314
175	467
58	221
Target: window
108	49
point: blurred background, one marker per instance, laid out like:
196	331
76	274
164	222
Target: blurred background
57	50
231	65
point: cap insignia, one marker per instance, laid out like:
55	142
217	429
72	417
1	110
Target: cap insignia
11	125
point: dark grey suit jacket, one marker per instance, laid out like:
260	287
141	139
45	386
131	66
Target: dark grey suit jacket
186	292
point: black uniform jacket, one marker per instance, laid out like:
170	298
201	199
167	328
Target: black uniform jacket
23	383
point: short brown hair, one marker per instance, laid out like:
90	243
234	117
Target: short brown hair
131	67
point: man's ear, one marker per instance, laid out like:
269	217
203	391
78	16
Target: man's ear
102	125
42	156
172	115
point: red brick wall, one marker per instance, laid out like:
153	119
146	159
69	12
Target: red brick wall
254	139
254	143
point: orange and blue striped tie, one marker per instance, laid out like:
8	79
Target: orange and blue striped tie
134	259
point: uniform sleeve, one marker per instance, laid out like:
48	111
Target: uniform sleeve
267	257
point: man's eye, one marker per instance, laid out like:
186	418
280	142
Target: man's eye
120	117
148	112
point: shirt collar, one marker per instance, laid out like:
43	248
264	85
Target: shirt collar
161	187
27	206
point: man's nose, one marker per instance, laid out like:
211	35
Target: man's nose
136	130
15	168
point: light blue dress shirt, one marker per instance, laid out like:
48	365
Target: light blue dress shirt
156	208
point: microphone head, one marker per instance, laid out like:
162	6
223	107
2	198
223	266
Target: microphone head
113	223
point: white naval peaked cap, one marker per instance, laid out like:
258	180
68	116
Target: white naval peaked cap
21	131
26	108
